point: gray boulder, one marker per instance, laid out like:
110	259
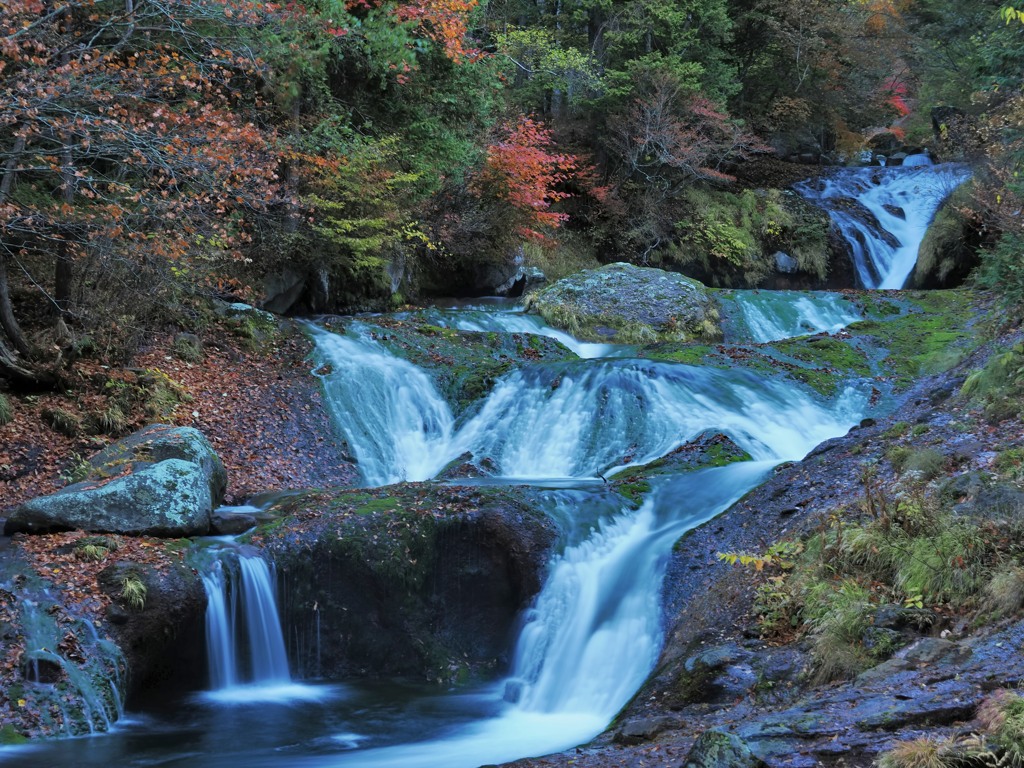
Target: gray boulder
628	304
719	749
160	481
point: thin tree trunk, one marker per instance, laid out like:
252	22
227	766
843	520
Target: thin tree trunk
7	319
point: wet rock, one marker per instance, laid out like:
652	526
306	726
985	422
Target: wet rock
637	304
161	638
422	580
718	749
785	263
232	523
643	729
899	617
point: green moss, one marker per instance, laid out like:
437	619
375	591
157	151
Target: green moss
933	336
896	430
634	491
465	365
689	354
10	736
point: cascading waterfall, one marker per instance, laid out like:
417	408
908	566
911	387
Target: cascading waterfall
392	416
553	420
244	643
883	213
773	315
594	631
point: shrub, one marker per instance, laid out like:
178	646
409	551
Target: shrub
919	753
133	590
62	421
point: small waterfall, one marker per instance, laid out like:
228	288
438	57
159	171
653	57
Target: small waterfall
558	420
243	632
391	414
883	213
580	420
594	632
774	315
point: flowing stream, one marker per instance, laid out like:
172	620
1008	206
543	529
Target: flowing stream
593	633
883	213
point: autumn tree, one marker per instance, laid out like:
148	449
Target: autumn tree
524	169
126	151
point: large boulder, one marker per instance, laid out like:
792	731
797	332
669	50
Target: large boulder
628	304
416	580
160	481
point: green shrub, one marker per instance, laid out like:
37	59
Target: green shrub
188	348
921	753
6	415
999	386
133	590
1002	271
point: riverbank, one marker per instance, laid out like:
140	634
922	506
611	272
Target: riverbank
724	672
253	398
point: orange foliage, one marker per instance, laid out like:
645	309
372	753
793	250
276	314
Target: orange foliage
526	173
445	22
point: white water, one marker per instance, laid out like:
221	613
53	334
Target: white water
245	649
594	632
885	249
554	420
396	423
774	315
511	318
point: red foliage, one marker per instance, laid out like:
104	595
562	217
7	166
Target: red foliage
526	173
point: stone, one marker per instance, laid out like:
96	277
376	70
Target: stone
643	729
718	749
785	263
629	304
170	498
159	481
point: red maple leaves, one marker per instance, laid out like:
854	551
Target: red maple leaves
524	170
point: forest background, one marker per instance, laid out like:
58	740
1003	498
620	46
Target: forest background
360	154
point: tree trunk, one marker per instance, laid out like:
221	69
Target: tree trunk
7	320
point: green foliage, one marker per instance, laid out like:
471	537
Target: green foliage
187	349
62	420
95	547
133	591
6	414
921	753
733	237
999	386
1002	270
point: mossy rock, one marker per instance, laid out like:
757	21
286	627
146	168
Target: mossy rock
159	481
623	303
419	580
464	364
709	449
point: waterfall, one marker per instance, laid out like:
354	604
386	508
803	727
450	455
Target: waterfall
883	214
594	632
556	420
774	315
244	643
391	414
